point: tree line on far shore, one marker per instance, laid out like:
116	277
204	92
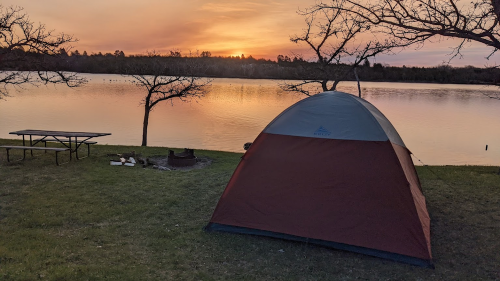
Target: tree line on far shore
283	68
32	54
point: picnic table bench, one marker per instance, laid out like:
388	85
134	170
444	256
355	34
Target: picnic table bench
69	141
24	148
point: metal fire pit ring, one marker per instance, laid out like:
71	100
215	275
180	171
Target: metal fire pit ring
182	159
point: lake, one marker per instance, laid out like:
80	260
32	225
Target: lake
440	124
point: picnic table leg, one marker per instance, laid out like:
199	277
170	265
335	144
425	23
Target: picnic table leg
57	159
24	144
70	150
76	148
8	159
79	144
8	155
31	144
24	151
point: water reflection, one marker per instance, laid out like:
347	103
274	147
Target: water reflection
440	124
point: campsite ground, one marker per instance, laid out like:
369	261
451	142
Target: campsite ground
87	220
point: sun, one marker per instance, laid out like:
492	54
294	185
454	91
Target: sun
237	54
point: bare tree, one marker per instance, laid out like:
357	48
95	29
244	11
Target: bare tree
28	46
341	42
419	20
151	73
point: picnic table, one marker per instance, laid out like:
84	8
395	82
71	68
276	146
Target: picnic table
70	140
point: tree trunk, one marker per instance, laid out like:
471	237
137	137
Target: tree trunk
334	85
324	85
147	109
357	79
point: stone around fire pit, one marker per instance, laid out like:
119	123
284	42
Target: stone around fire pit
182	159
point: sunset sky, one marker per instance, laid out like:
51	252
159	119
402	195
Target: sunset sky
224	27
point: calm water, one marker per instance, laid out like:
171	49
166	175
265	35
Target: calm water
440	124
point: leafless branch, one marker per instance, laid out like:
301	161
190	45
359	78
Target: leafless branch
419	20
25	45
341	41
306	87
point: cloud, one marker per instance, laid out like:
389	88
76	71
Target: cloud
219	26
260	28
231	7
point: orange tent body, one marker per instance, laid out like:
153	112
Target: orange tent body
330	170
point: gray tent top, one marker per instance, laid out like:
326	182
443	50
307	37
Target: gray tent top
335	115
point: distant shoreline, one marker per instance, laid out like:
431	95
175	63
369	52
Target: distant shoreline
290	79
250	68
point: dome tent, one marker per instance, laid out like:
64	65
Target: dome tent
330	170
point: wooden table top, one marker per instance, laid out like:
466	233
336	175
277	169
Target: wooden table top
58	133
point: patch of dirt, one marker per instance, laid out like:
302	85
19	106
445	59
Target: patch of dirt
160	162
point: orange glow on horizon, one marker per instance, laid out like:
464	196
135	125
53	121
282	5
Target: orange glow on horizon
256	28
238	54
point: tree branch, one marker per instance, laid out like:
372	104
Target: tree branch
24	45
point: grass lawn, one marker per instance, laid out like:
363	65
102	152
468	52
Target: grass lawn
87	220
